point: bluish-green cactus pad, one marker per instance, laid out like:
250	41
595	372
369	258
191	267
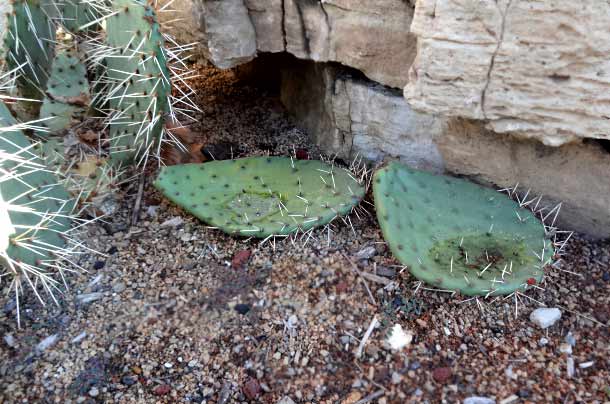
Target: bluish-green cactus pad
456	235
262	196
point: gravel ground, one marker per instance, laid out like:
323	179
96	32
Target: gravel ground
176	312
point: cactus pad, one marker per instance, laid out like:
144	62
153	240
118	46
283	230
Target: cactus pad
262	196
457	235
67	93
34	210
27	35
138	77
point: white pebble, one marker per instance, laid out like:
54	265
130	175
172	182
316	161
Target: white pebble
399	338
585	365
47	342
545	317
479	400
168	365
570	366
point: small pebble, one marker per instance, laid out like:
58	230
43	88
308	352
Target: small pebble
94	392
129	380
286	400
543	341
479	400
161	390
251	389
10	340
99	264
119	287
242	308
441	375
47	342
545	317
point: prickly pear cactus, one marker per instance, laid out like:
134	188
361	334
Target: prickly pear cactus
262	196
138	77
456	235
27	36
78	15
67	93
35	213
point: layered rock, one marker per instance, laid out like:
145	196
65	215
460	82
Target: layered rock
351	116
371	36
534	68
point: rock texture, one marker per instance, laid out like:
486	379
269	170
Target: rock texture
228	32
575	175
352	116
369	35
534	68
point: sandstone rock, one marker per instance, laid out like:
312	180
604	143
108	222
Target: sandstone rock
533	68
353	116
575	175
371	36
228	32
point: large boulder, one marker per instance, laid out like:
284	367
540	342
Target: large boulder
534	68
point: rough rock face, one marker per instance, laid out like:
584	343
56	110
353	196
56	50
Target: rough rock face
535	68
353	117
369	35
228	32
575	175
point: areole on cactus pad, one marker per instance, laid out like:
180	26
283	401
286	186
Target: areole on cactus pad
457	235
262	196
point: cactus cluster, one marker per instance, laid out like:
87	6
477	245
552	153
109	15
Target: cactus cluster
27	35
262	196
35	215
457	235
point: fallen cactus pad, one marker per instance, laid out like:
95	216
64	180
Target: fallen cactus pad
457	235
262	196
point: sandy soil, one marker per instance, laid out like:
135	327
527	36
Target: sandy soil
177	312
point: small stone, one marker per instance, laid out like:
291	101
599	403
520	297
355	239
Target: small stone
543	341
85	298
570	339
396	378
545	317
10	340
240	259
570	367
173	222
242	308
565	348
479	400
441	375
168	365
119	287
386	272
286	400
129	380
47	343
606	276
99	264
94	392
341	287
365	253
79	337
161	390
251	389
192	363
586	365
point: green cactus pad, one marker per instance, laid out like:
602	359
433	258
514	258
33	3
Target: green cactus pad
262	196
139	80
457	235
27	35
67	93
34	209
76	14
